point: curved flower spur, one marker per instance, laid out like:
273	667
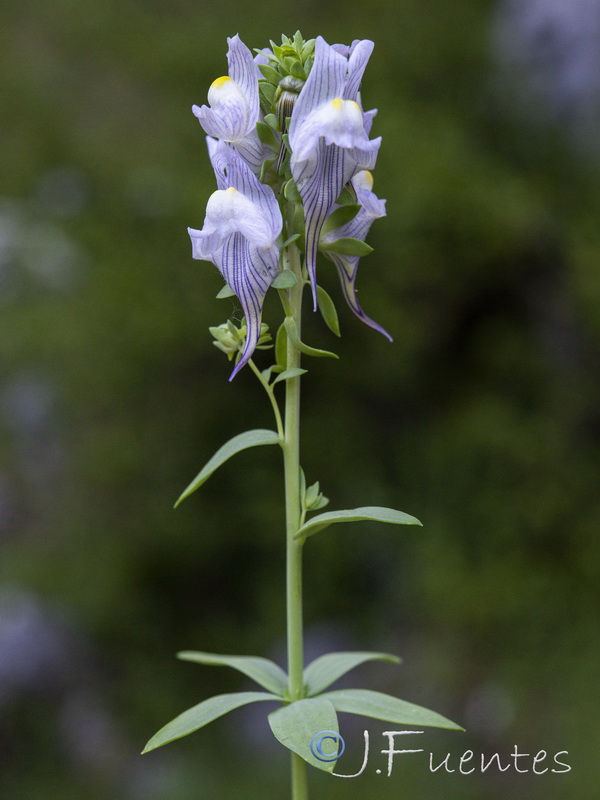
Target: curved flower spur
291	155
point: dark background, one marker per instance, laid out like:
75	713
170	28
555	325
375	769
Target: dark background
482	419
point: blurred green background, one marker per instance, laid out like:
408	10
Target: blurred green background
482	419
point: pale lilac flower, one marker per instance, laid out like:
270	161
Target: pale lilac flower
372	208
329	135
234	106
242	222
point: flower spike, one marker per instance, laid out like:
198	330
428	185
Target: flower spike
234	106
329	136
242	222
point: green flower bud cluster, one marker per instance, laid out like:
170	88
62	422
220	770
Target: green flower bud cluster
286	71
311	497
230	339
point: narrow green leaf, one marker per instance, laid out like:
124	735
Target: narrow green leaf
200	715
289	373
341	216
240	442
347	247
284	280
281	347
387	708
270	74
328	311
267	135
325	670
296	724
232	329
225	292
268	674
374	513
292	332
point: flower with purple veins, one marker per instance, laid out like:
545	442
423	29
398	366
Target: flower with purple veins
242	222
329	136
372	208
234	106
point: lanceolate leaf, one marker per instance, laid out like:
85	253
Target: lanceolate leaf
292	332
268	674
328	310
326	669
341	216
241	442
385	707
200	715
281	347
374	513
348	247
294	372
296	724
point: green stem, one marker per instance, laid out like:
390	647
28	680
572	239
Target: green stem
291	460
269	390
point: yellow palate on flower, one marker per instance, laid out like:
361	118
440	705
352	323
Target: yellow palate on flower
337	103
219	82
366	179
231	190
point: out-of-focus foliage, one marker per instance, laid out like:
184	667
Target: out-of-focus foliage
482	419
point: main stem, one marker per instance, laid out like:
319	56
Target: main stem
291	460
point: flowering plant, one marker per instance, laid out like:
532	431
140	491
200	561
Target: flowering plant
288	140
